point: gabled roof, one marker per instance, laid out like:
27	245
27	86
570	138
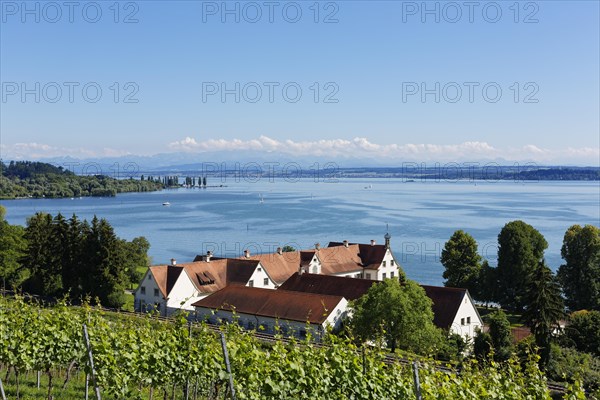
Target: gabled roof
206	276
446	302
350	288
340	259
281	304
173	273
370	256
281	266
306	256
159	273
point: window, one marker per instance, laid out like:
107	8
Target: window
251	283
266	282
357	276
259	269
468	320
368	276
384	275
149	277
155	292
143	290
392	263
384	263
462	321
392	274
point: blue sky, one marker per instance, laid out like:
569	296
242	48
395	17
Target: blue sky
370	68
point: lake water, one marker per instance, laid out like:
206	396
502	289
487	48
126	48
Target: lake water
421	216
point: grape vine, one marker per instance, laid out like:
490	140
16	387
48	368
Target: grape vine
142	358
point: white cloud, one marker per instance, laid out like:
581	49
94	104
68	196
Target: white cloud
334	149
361	147
34	150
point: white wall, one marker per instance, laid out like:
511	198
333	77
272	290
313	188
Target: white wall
183	291
147	301
466	311
295	328
353	274
388	269
315	265
258	279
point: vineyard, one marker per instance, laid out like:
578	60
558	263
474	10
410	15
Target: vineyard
44	355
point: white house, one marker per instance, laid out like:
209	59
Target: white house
168	288
454	310
264	310
356	260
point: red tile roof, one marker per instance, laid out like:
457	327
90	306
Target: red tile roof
370	256
207	276
159	273
446	302
340	259
280	266
282	304
350	288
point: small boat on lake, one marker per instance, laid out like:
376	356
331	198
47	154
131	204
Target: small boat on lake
166	203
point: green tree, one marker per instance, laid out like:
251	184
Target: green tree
288	249
583	331
580	275
462	262
12	249
42	258
500	335
399	313
520	250
106	275
482	345
487	284
544	308
136	256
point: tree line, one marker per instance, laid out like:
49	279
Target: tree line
523	284
21	179
55	256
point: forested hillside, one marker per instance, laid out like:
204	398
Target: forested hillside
41	180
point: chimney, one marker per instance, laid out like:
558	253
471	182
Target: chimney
279	250
372	242
173	261
208	255
317	246
247	253
345	243
300	270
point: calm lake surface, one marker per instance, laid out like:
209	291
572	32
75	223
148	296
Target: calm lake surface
421	216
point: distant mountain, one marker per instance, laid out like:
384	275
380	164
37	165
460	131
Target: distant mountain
249	161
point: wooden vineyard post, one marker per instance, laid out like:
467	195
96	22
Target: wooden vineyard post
91	358
2	390
417	383
227	365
